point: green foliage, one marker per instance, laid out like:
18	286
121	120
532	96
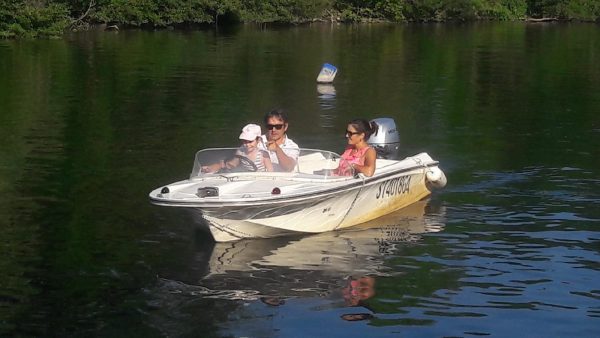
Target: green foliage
425	10
352	10
130	12
33	19
541	8
435	10
392	10
161	13
588	10
504	10
38	18
294	11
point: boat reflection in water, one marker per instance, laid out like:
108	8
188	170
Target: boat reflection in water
359	250
243	282
304	266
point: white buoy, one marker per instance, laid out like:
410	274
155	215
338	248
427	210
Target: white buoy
436	177
327	73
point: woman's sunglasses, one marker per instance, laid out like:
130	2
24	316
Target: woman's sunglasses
274	126
351	133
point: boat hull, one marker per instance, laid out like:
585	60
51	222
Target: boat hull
326	213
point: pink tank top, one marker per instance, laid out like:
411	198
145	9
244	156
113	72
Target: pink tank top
350	157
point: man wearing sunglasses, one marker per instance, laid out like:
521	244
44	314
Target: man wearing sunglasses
282	150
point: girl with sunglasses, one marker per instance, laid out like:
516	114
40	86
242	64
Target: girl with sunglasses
358	157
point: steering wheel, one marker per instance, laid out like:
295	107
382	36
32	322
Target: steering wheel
245	165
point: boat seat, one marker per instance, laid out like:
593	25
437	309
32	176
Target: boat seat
310	163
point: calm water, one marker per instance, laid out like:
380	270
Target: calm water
90	124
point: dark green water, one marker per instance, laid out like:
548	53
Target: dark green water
90	124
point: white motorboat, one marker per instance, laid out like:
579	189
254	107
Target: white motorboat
244	203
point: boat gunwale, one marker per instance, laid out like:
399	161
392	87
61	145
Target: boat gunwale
208	203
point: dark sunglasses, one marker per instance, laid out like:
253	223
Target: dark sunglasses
352	133
274	126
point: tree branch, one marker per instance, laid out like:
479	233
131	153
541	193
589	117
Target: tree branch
91	5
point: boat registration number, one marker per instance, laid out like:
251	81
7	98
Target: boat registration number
393	187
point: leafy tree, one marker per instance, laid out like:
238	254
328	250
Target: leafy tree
579	9
39	18
33	18
293	11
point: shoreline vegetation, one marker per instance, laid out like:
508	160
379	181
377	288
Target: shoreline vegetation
53	18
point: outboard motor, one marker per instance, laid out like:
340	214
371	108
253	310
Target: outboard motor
387	140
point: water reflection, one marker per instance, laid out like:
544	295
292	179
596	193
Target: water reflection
339	269
511	109
327	102
358	289
362	248
326	92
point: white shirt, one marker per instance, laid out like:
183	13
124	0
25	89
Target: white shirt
289	147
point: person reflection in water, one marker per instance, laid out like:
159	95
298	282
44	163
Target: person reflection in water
358	290
353	317
355	292
272	301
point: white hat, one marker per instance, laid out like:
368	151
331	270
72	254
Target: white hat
250	132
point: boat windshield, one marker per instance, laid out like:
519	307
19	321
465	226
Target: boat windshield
227	160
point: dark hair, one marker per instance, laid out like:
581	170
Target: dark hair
364	126
352	317
273	301
277	113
